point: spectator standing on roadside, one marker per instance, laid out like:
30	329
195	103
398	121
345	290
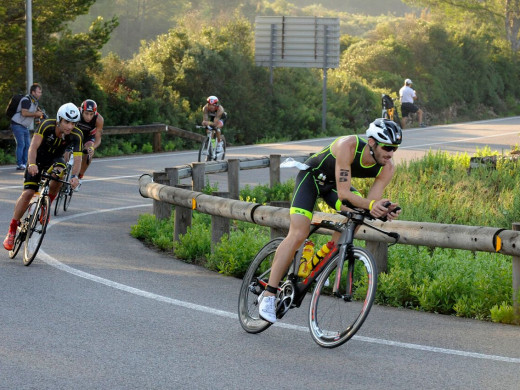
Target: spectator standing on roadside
22	121
408	106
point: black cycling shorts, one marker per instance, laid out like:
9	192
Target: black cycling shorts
307	189
33	182
408	108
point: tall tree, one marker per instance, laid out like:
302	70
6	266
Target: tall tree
504	13
61	59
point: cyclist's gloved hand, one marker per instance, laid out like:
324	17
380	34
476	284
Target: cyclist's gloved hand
385	210
74	181
32	169
390	211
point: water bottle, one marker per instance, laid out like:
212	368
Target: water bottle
320	255
306	261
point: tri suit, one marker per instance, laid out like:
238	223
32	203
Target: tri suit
51	150
319	180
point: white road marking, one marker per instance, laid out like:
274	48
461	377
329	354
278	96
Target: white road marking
209	310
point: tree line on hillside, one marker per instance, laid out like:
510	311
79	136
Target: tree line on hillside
145	20
458	70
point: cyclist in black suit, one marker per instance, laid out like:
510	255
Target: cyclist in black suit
47	148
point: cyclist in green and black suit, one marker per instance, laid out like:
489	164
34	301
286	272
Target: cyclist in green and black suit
47	147
329	177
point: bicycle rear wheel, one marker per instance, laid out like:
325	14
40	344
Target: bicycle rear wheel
334	319
253	284
36	230
204	150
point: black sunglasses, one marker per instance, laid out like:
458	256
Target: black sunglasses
388	148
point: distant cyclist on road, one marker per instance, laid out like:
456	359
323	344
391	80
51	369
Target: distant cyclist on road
329	177
213	114
91	125
47	147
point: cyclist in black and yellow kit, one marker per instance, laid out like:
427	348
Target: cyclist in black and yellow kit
329	177
47	147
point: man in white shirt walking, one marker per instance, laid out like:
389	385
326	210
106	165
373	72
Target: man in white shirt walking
408	106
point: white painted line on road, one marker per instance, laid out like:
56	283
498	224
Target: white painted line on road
458	140
205	309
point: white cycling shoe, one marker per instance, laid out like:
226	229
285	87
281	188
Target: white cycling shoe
267	308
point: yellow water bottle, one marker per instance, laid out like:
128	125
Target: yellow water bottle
320	255
306	261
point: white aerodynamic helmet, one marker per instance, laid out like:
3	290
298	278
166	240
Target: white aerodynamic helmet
385	131
69	112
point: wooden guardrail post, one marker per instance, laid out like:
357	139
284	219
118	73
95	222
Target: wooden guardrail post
279	232
233	178
219	225
161	210
157	142
173	176
380	252
198	176
516	281
182	219
274	169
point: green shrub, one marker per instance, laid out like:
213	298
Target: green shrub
234	253
158	233
445	281
195	245
503	313
147	148
264	194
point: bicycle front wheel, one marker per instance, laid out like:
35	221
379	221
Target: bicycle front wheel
335	318
59	200
204	150
21	231
220	155
253	284
36	230
67	197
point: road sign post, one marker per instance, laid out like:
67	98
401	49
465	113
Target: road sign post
298	42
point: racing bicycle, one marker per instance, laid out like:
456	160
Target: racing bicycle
65	195
342	285
33	224
389	110
208	148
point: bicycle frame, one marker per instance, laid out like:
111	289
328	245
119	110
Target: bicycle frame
33	208
344	250
208	149
345	243
211	150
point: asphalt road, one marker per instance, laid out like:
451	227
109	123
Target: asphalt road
99	310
